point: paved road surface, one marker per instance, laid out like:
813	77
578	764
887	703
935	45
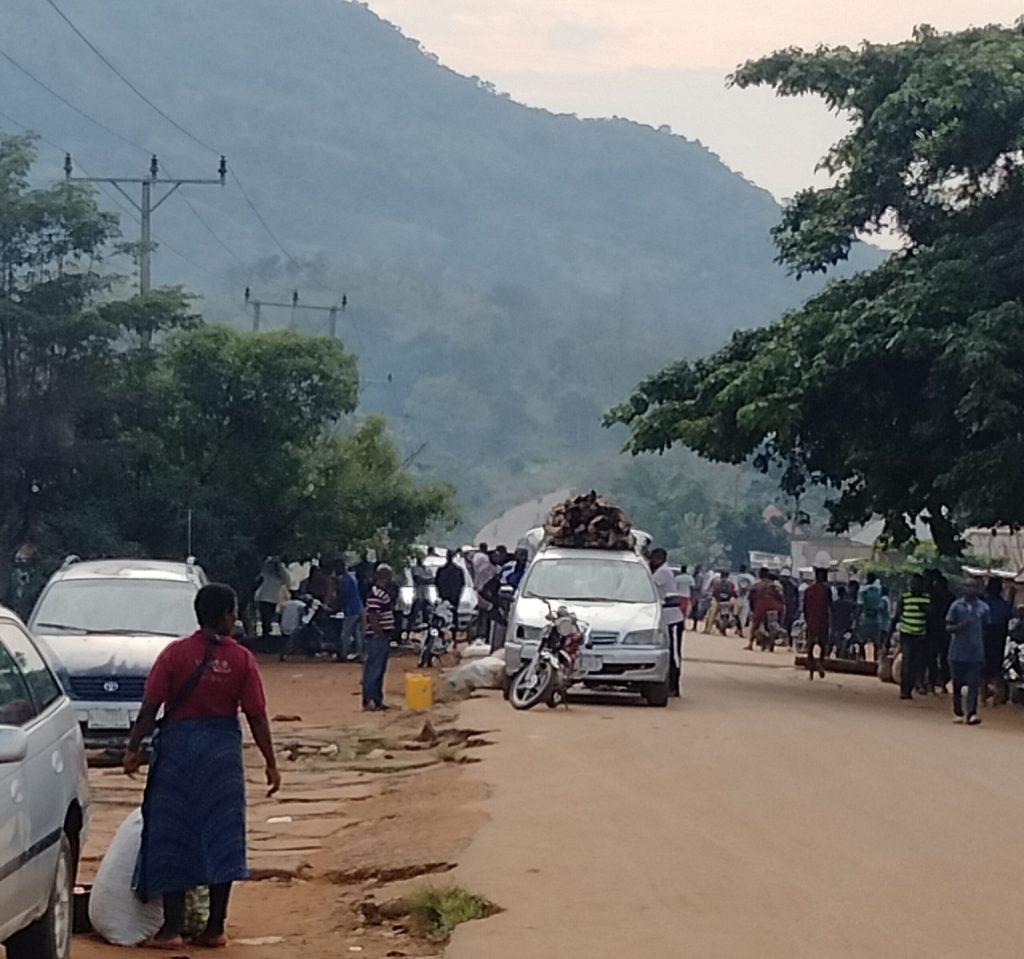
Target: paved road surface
761	816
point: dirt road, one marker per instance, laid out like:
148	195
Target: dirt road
763	815
364	811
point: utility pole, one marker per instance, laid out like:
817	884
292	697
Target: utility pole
146	207
257	309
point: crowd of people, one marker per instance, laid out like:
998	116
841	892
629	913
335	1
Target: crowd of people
937	641
356	613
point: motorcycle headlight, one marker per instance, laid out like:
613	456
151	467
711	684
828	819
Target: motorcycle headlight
645	637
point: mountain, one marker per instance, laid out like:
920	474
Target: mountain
510	272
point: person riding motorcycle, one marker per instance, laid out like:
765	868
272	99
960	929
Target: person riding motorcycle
766	596
723	593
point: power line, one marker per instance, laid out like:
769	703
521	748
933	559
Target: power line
128	83
213	233
266	226
132	143
225	281
197	139
28	73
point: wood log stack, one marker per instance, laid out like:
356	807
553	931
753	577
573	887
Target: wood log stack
588	522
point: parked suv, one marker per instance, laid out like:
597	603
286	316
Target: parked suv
105	623
44	800
613	592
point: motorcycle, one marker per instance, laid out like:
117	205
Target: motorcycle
726	618
556	667
440	634
1010	686
309	637
798	637
851	646
771	632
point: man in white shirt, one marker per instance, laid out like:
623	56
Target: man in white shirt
685	584
668	594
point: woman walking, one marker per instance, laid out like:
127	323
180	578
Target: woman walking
194	806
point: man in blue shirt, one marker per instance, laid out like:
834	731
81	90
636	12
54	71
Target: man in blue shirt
965	621
350	602
512	573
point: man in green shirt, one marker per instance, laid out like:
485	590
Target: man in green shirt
913	625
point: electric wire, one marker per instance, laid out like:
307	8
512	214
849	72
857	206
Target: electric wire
299	266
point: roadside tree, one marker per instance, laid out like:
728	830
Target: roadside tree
897	388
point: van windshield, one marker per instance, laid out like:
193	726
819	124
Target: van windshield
589	580
160	607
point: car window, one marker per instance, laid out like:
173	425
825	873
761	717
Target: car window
161	607
44	688
580	579
16	706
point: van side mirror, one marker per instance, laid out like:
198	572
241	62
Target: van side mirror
13	744
506	591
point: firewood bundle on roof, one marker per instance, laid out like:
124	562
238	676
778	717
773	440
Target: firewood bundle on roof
588	522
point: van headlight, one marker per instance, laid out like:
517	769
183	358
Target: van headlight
529	634
645	637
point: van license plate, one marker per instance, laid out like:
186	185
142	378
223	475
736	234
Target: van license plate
592	664
109	719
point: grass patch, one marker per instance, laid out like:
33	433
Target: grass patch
439	911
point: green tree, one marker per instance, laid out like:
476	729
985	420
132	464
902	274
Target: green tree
217	441
56	349
361	496
898	388
235	438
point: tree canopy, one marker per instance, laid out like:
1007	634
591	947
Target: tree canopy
897	388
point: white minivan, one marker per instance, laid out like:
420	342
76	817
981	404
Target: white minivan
44	800
612	591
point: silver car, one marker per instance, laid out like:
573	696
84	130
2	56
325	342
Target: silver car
105	622
44	800
612	591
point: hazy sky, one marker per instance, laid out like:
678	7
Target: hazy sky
665	61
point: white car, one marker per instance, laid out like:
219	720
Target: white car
612	591
44	800
105	622
467	604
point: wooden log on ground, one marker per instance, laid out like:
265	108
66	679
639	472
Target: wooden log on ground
850	666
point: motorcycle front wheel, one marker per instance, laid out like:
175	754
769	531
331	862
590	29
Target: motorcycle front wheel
532	685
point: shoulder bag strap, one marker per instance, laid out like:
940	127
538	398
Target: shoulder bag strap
182	696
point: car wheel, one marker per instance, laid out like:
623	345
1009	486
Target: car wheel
656	694
49	937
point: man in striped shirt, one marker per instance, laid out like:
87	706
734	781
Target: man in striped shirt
913	620
380	624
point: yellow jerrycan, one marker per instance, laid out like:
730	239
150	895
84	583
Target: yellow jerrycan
419	691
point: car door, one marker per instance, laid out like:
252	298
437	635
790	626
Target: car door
42	793
16	709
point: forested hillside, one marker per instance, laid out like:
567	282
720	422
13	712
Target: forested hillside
510	272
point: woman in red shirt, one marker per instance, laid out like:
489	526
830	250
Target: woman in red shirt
193	812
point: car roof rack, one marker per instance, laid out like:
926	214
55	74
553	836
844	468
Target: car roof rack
70	560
